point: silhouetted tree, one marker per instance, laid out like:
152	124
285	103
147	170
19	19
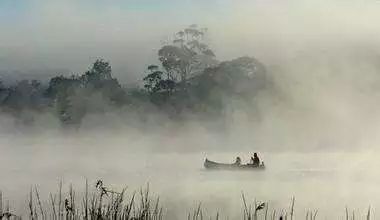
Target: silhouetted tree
156	83
94	91
100	71
240	78
186	55
152	79
243	75
188	79
61	90
99	78
24	95
181	58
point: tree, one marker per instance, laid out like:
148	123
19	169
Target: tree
64	107
99	79
155	83
243	75
60	84
100	71
152	79
239	79
183	57
186	55
24	94
94	91
61	90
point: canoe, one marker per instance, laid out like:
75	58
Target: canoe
208	164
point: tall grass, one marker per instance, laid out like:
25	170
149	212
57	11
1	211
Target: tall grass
102	203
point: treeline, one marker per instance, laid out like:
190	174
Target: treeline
187	79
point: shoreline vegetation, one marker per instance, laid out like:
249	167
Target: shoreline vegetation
186	80
103	203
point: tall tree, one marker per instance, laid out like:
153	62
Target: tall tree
156	82
186	55
101	70
94	91
99	78
61	90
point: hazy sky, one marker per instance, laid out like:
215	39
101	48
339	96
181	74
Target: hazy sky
41	34
70	34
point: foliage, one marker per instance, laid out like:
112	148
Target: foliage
186	55
159	88
188	80
238	79
72	96
23	95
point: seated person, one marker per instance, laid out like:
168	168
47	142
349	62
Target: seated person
255	161
238	161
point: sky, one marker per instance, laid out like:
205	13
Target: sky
67	36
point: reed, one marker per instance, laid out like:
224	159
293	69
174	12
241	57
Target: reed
103	203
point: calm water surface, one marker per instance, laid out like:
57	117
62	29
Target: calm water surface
324	181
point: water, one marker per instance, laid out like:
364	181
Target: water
324	181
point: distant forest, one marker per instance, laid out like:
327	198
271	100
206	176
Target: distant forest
186	79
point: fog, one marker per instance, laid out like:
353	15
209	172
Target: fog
316	126
324	181
69	35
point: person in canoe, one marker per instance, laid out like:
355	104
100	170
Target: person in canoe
255	160
238	161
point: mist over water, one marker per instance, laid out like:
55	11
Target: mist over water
327	181
315	124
